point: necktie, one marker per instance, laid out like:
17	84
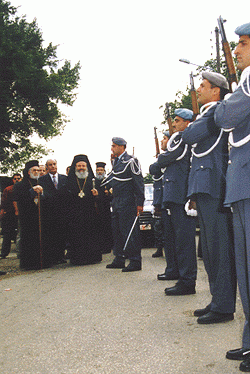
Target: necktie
54	181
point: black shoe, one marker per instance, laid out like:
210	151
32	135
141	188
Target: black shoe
180	289
158	253
62	261
132	266
116	264
215	317
3	272
238	354
166	277
245	365
201	312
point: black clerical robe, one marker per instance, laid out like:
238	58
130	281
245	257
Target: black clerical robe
83	223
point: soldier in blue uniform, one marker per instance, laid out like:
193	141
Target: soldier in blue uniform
128	196
234	113
167	232
176	160
207	187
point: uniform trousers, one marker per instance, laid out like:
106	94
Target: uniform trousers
184	233
123	216
241	222
169	245
217	252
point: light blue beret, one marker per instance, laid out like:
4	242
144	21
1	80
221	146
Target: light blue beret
184	113
243	29
119	141
166	133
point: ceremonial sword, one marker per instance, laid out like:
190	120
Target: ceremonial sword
130	232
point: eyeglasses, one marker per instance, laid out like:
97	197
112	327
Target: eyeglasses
16	179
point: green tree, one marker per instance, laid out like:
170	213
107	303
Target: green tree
33	83
148	178
183	99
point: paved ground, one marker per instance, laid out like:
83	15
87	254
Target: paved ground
93	320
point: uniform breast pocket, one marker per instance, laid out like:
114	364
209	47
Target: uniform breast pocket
203	173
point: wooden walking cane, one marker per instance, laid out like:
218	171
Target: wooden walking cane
40	229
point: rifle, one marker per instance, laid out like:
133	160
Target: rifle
168	118
156	143
195	105
227	54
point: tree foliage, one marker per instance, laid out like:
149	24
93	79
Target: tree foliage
183	99
33	84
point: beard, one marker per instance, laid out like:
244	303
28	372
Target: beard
81	174
32	176
100	177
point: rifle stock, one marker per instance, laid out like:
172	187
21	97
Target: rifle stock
195	105
156	143
168	118
227	53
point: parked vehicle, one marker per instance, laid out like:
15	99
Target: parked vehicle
146	217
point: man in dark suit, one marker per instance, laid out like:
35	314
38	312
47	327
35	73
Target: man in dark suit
53	215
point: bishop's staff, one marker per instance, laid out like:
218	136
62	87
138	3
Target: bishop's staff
40	228
228	55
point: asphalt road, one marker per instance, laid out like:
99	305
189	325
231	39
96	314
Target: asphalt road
93	320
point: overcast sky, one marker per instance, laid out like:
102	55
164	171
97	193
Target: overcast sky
129	52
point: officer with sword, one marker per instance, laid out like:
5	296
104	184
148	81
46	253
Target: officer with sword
128	196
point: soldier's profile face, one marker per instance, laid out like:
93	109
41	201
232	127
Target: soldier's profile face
116	149
81	166
242	52
205	92
164	143
179	124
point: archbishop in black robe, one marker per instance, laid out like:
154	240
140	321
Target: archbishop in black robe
82	215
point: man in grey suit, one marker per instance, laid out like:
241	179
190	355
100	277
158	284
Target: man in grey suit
234	114
206	186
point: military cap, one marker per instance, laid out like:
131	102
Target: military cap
119	141
184	113
215	78
100	164
243	29
166	133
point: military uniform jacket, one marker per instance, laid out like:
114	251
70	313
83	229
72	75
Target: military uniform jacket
157	175
127	181
235	113
176	160
209	155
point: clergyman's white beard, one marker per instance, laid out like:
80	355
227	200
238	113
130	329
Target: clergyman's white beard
32	176
82	174
100	177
